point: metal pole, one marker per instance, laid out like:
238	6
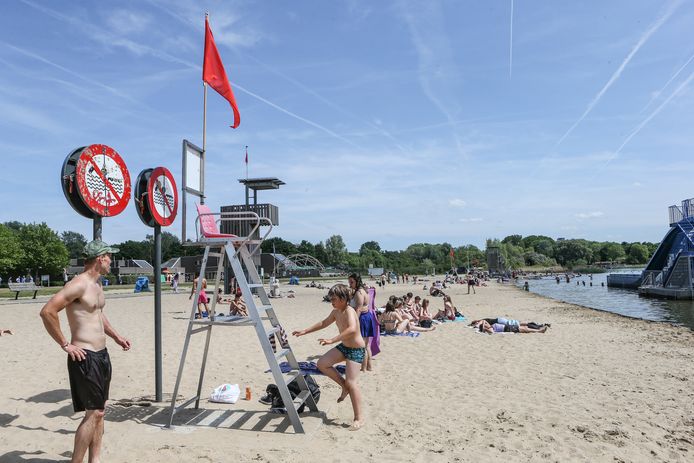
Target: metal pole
97	227
157	313
204	144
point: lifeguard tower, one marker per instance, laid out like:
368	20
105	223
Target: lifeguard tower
670	272
234	235
264	210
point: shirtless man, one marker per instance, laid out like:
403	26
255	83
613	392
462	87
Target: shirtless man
88	363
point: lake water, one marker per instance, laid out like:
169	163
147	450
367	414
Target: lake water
621	301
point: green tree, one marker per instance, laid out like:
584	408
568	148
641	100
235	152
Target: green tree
513	239
336	250
637	254
513	255
74	242
279	246
369	246
14	225
306	247
321	253
44	252
571	252
170	247
135	250
611	252
539	243
11	252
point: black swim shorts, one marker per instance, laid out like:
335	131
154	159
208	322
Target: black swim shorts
90	380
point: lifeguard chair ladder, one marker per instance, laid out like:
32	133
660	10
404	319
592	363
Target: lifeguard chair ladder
241	260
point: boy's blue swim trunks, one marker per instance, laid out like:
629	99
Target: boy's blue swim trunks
355	354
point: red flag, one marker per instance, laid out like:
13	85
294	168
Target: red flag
452	255
213	73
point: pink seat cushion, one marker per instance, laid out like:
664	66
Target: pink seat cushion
208	225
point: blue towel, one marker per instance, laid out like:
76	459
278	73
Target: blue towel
308	368
411	334
457	319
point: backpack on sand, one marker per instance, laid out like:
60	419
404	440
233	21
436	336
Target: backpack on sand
294	390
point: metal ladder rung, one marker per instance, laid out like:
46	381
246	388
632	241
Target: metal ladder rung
300	398
265	307
271	331
255	285
199	330
291	376
282	353
215	254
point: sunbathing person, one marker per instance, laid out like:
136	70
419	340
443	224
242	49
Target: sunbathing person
238	307
506	325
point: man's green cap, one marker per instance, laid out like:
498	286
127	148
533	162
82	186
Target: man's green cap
97	248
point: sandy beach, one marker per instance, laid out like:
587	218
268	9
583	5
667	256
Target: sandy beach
596	387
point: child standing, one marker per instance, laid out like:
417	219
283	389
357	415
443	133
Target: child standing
350	350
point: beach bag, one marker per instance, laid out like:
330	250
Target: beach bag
294	390
425	323
226	394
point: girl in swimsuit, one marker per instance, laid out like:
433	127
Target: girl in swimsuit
360	302
448	311
202	298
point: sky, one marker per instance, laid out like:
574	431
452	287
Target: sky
395	121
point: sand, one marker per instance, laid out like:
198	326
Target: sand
596	387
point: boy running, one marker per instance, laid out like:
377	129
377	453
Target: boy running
350	350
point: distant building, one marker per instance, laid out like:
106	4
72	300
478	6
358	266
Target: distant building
118	267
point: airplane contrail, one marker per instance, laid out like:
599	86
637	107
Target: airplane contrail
510	48
674	76
643	123
615	76
135	47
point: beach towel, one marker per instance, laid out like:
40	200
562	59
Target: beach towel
411	334
376	340
308	368
457	319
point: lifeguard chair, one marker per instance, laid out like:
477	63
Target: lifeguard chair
239	250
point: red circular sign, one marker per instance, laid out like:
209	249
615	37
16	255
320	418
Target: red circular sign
103	180
162	196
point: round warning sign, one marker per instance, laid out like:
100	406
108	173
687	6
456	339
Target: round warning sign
162	196
102	180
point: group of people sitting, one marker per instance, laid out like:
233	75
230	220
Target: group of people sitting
412	313
507	325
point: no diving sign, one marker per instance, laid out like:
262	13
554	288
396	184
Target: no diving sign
103	180
96	181
156	196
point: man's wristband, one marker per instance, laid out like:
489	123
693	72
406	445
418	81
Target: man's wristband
65	345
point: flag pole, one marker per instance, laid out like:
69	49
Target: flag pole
204	129
246	162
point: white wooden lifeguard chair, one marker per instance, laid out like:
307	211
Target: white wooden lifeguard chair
261	315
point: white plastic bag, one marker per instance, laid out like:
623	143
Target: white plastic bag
226	394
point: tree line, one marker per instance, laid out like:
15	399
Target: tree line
36	249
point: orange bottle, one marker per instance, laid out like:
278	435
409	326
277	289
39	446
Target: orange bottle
248	393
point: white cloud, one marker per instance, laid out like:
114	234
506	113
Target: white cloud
457	202
589	215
